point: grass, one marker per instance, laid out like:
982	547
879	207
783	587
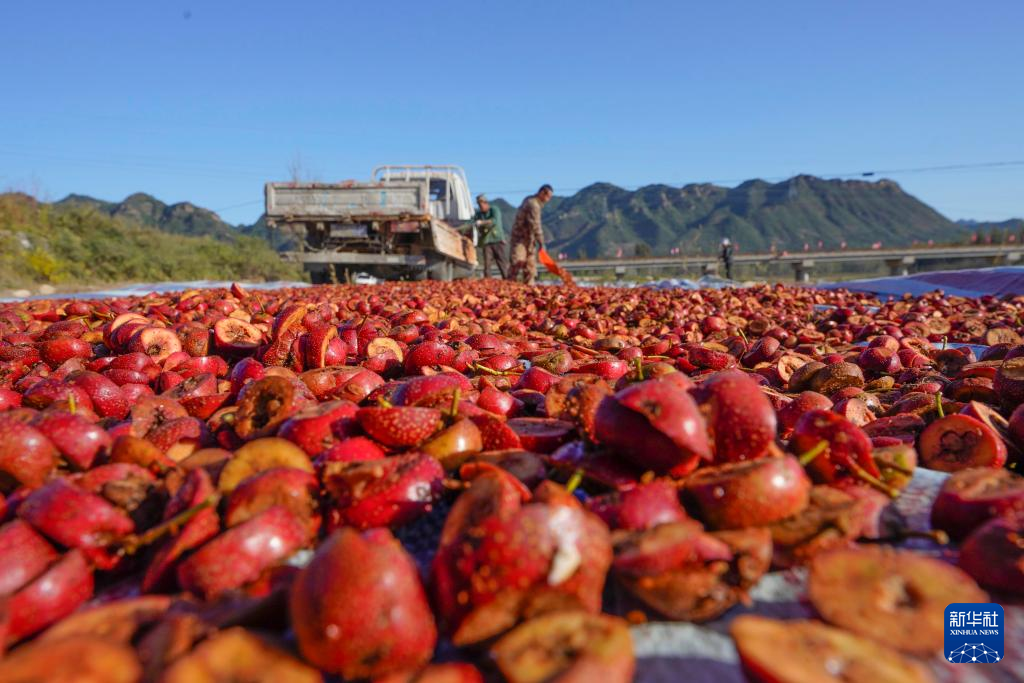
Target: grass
40	244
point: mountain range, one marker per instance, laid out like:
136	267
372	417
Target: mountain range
604	219
182	218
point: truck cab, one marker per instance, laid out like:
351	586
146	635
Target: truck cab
449	196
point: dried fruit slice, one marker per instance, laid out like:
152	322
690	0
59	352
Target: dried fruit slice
237	655
897	598
812	652
567	646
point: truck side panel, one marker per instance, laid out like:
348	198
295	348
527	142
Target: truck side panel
345	200
450	243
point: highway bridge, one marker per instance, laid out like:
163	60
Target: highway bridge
899	261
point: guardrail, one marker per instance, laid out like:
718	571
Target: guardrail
900	261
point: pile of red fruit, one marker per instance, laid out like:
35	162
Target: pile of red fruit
228	485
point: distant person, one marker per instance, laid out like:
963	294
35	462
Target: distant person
528	237
726	255
487	221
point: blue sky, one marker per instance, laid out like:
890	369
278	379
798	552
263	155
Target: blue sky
204	101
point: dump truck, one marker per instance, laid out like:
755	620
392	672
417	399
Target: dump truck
401	224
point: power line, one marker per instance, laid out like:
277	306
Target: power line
238	206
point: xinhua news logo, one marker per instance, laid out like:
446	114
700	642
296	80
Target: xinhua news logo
974	633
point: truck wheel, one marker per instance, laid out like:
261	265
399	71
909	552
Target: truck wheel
441	271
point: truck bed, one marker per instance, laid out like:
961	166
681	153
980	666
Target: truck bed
350	201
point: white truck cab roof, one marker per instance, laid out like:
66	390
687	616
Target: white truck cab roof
450	200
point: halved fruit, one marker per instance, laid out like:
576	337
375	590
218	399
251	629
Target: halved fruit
237	655
704	591
263	405
666	547
971	497
567	646
956	442
388	492
258	456
994	554
384	345
541	435
804	651
319	345
832	519
749	493
896	598
156	342
452	445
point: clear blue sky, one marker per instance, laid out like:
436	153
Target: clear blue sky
204	101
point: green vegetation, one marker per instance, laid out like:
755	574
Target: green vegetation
78	244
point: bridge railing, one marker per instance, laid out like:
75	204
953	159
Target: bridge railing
900	261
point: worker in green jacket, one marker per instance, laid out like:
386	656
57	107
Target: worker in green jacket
487	221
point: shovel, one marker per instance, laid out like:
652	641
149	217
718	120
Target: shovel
554	268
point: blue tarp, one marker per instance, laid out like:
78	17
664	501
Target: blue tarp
1001	281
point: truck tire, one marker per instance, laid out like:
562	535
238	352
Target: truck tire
441	271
